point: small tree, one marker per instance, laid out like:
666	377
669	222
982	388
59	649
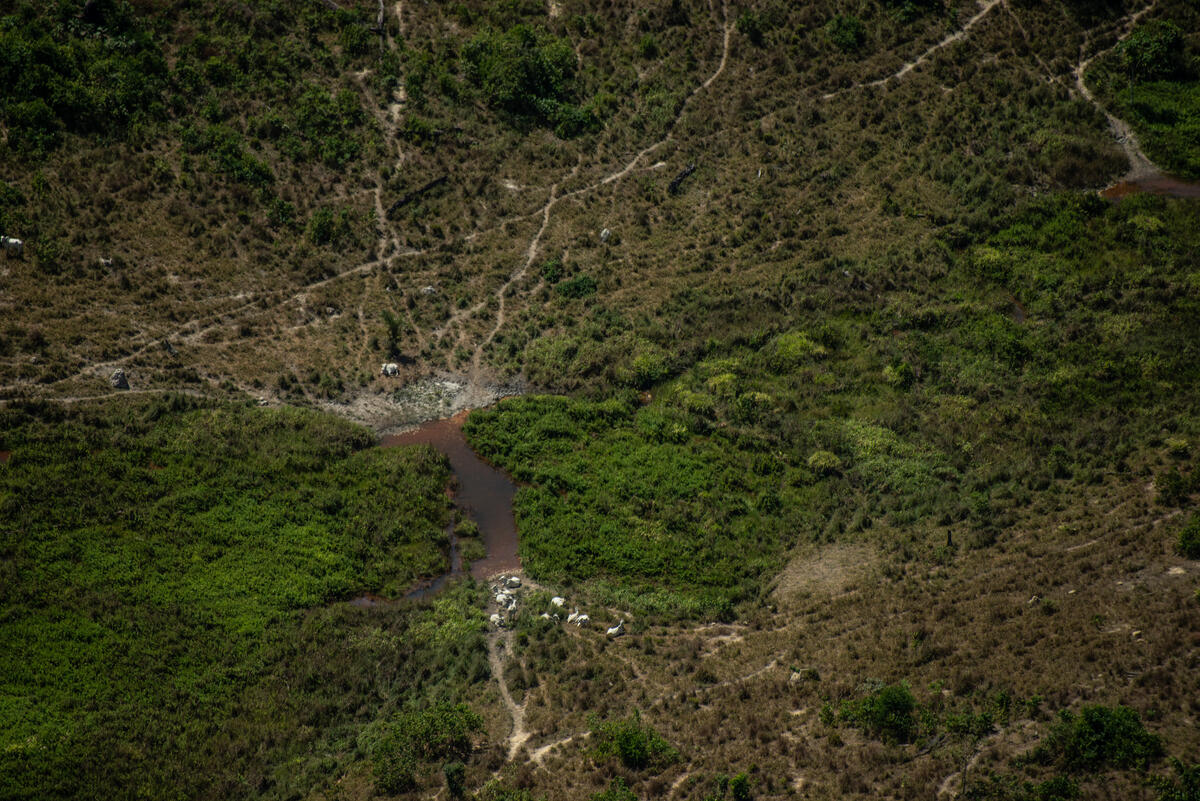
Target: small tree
1152	52
888	712
456	778
847	33
1189	539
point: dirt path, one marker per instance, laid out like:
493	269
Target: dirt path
1140	166
908	67
501	640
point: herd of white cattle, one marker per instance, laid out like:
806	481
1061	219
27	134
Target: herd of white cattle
506	591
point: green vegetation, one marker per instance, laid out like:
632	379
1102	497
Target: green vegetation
846	33
1189	539
1183	786
873	392
176	579
430	735
617	790
1152	80
886	712
1152	52
528	73
634	743
1099	737
101	73
1010	788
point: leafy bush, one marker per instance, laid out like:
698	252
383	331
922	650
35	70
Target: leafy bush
529	73
325	227
636	744
846	33
578	287
415	736
456	778
1153	51
739	787
1189	539
887	712
824	462
1185	786
59	74
1099	737
749	25
326	125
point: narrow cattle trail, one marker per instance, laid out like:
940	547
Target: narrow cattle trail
530	255
538	755
908	67
1140	166
497	641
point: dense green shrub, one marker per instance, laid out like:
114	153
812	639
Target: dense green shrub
529	73
1099	737
578	287
887	712
326	227
750	25
418	736
62	74
636	744
1153	51
846	33
177	578
456	778
1183	786
1189	539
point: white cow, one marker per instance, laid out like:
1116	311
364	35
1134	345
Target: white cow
497	621
390	369
558	601
581	620
12	246
617	630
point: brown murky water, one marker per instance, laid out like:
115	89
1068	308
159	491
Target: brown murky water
1165	185
484	493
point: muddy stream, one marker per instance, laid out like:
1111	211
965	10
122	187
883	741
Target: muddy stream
483	493
1157	184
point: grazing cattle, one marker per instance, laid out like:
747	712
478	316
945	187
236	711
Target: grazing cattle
617	630
13	246
390	369
105	262
558	601
513	582
580	620
497	621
